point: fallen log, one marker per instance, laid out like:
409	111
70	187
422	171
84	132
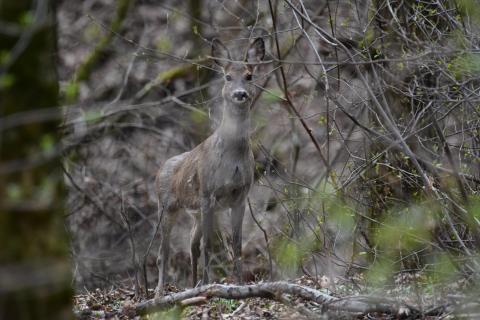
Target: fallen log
274	291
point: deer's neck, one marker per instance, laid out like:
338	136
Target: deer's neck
235	125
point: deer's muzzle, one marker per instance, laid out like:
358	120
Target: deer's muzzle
240	96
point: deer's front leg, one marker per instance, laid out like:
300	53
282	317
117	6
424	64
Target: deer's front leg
237	222
207	231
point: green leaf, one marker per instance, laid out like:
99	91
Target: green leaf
469	8
198	117
71	91
322	120
6	81
272	95
379	273
26	19
288	255
443	268
228	305
174	313
92	33
47	143
92	116
164	44
466	65
4	56
474	211
14	192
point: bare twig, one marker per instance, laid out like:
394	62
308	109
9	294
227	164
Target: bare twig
265	235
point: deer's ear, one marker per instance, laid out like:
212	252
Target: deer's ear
256	51
220	53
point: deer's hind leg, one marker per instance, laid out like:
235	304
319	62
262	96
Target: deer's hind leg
164	249
195	238
207	207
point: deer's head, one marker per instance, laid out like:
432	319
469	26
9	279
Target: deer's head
239	76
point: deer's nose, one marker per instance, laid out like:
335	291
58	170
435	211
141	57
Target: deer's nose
240	95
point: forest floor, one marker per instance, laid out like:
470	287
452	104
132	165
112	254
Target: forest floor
407	288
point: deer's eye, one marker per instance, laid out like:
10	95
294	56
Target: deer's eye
228	77
248	77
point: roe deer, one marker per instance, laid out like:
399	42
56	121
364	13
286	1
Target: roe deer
218	173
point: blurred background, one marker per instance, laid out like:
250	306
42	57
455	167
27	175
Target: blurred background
160	97
369	169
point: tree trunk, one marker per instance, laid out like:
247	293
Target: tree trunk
34	266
